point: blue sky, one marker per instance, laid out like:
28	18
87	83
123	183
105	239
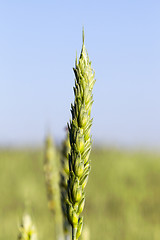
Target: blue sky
38	45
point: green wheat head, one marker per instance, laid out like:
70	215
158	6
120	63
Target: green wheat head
80	141
63	183
27	230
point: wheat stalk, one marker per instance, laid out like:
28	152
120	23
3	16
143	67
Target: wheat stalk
27	230
80	141
63	184
51	173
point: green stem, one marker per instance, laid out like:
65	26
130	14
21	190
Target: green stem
74	231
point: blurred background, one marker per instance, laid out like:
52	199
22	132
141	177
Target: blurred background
38	45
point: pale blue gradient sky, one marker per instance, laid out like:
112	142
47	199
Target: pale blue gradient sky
38	44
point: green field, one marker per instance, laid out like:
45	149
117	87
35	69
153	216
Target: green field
122	195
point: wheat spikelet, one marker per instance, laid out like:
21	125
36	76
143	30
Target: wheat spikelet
80	141
63	184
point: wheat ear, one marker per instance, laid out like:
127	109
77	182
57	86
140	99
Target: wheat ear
80	141
27	230
51	172
63	184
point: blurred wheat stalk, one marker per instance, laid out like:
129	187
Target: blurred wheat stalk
51	172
